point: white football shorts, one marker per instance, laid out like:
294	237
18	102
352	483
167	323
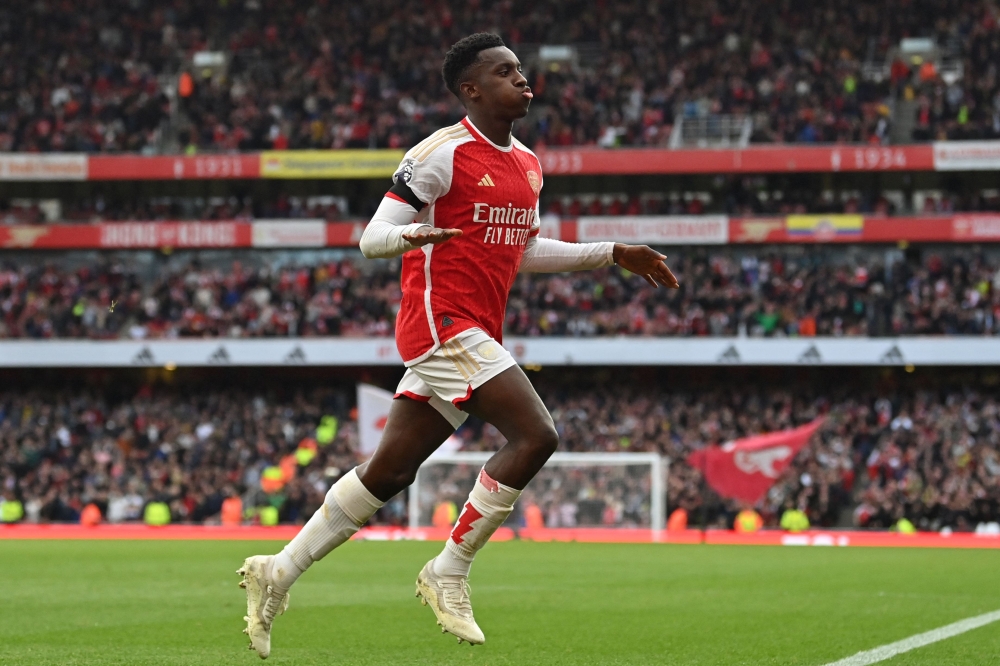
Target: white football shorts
447	378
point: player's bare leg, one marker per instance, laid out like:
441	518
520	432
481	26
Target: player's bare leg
509	402
412	432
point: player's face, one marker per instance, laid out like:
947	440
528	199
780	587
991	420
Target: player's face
501	84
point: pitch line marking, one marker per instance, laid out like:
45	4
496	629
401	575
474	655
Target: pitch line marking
889	651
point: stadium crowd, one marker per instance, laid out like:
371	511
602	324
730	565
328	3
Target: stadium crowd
778	291
332	297
126	75
136	209
932	456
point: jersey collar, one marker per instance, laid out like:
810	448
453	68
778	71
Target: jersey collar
505	149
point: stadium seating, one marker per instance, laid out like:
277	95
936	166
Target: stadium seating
780	291
929	455
258	74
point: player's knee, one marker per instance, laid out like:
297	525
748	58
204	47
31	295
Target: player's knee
546	440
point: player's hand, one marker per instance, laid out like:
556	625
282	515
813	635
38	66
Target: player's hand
428	235
647	262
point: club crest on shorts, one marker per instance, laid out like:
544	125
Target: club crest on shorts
487	350
534	181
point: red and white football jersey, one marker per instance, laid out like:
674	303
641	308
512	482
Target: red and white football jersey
490	193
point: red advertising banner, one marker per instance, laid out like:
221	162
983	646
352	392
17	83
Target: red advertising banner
344	234
945	229
976	227
135	167
664	230
146	235
126	235
586	160
50	236
757	230
909	229
769	159
815	537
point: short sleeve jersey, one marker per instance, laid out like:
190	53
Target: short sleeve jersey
488	191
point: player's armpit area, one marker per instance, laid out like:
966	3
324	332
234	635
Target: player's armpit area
401	191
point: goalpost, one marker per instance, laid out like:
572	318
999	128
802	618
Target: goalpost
606	487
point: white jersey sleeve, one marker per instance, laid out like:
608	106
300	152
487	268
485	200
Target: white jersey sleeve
423	177
383	237
427	168
546	255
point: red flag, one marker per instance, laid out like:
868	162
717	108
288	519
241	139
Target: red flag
747	468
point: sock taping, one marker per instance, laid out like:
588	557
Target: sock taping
355	500
490	502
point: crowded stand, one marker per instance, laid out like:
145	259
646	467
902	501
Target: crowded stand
262	74
884	451
131	208
757	291
772	292
344	297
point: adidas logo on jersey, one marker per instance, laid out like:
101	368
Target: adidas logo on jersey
487	181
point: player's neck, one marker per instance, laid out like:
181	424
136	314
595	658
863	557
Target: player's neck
495	129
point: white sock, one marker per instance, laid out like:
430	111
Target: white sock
347	507
490	502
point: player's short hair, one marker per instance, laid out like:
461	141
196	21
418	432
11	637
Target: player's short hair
463	54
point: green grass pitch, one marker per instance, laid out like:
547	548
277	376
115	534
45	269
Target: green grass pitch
177	602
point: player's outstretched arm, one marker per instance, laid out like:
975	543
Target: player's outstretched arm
546	255
647	262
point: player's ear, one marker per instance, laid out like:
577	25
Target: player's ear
470	91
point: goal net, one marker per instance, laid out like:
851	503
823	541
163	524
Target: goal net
572	490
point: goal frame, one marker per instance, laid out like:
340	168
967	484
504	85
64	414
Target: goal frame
658	464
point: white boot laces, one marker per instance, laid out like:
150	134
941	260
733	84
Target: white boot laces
457	595
273	606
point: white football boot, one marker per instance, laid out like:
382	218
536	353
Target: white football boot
264	602
448	597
